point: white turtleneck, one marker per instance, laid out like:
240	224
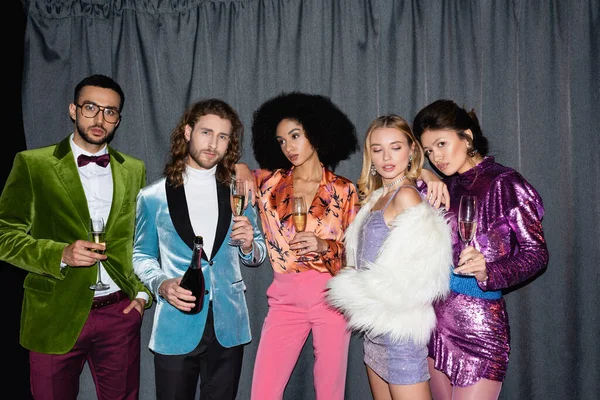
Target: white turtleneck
201	194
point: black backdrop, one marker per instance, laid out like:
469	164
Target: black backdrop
16	373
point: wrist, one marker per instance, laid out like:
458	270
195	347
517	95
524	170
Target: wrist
240	165
247	250
483	282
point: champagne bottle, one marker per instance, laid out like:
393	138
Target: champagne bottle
193	279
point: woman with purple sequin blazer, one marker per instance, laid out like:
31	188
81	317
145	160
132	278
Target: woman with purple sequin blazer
469	349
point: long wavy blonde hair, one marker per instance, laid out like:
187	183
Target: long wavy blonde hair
367	183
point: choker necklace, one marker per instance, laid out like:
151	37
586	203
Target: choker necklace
387	185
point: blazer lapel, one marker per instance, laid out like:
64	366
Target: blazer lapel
224	217
66	170
121	186
180	216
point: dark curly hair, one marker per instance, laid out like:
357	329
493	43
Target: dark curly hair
446	114
179	146
327	128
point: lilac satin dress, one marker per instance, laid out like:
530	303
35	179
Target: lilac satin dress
472	337
398	363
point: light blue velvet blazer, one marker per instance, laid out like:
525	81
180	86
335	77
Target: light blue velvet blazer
163	249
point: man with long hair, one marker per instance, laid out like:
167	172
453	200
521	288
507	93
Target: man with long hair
193	200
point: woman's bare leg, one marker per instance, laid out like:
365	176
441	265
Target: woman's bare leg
441	388
418	391
484	389
379	388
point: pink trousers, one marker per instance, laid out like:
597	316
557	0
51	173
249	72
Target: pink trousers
297	306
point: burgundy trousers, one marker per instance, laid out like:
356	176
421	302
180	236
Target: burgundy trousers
110	343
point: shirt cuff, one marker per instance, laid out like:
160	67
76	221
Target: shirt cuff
244	256
332	257
63	269
143	295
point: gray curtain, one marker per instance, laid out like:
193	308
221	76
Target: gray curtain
530	69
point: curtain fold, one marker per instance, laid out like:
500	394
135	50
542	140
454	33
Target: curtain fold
530	70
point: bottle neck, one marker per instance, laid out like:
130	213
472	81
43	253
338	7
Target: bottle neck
197	257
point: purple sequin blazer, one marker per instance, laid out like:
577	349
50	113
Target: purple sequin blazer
509	229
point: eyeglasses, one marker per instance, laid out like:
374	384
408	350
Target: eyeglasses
90	110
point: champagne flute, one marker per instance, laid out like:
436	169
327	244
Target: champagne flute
96	234
467	219
299	218
237	198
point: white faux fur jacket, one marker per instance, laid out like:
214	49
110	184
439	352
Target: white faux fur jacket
395	294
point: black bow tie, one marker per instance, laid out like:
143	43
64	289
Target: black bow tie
100	160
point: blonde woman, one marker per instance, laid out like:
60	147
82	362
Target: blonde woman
399	257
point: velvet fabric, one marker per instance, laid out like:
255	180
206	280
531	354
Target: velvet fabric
163	250
110	343
43	209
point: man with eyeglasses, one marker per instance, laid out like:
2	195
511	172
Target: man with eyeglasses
45	209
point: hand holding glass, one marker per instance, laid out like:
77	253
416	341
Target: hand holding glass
237	199
467	219
96	235
299	216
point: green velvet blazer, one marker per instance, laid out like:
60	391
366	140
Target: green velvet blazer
43	209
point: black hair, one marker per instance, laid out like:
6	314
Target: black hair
102	81
446	114
327	128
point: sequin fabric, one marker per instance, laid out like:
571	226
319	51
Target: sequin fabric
472	337
471	340
398	363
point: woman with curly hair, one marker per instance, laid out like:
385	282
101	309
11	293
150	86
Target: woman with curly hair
298	139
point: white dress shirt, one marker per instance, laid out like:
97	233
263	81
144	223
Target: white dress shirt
98	187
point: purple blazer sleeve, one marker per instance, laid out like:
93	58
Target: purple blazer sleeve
513	244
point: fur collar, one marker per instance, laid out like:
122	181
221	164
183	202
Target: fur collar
395	293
